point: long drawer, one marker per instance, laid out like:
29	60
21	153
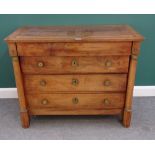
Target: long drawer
74	49
60	83
76	102
59	65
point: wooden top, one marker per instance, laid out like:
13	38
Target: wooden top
75	34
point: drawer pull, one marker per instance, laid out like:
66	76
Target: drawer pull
44	102
106	101
108	63
107	83
40	64
75	82
75	100
74	63
43	83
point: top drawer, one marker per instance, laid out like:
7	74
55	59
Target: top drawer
74	49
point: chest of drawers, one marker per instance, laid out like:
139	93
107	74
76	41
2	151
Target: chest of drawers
75	70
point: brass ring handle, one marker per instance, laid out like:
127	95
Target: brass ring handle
43	83
108	63
75	82
44	102
40	64
75	100
106	101
107	83
74	63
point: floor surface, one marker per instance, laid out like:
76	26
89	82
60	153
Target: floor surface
78	127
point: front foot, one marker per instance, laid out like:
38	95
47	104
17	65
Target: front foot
25	120
127	119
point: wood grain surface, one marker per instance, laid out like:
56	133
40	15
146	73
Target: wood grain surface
75	33
54	83
74	49
65	65
74	101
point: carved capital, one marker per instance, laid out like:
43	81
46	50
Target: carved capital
135	48
22	110
127	110
12	49
14	58
134	57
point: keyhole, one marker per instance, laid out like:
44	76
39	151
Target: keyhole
74	63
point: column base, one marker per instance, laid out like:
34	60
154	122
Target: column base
127	119
25	120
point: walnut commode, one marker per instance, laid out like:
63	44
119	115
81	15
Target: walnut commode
75	70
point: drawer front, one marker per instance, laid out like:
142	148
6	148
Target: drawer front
74	49
54	83
76	101
57	65
48	111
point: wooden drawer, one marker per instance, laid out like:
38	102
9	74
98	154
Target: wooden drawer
54	83
58	65
51	102
74	49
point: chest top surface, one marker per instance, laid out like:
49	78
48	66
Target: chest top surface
75	34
